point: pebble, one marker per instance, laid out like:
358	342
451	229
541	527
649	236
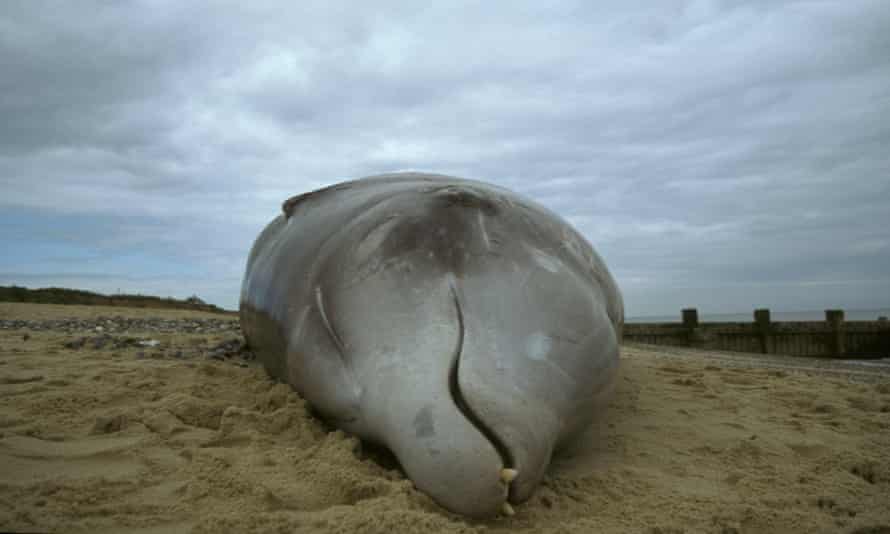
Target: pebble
118	324
100	335
227	350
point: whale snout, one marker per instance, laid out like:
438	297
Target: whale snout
451	461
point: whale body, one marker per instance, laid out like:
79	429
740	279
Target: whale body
469	330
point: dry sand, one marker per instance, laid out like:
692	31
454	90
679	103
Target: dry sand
104	441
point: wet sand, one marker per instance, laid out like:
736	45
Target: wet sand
163	439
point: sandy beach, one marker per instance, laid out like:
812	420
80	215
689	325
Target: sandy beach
138	421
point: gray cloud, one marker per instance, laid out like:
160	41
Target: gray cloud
718	154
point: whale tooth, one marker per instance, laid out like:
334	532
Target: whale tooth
507	475
507	509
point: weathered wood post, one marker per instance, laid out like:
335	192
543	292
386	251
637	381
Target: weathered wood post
835	320
884	335
764	329
690	324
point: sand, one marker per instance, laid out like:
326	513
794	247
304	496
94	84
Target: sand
108	441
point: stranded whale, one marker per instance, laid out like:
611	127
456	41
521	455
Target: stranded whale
469	330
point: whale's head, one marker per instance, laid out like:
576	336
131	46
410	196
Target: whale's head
479	333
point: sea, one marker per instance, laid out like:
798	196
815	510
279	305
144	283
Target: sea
775	316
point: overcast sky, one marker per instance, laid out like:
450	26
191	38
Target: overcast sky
723	155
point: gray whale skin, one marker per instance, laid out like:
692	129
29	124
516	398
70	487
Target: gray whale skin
465	328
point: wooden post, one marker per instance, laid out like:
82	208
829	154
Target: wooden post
762	321
690	318
835	320
690	323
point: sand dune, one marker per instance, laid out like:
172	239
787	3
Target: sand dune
130	439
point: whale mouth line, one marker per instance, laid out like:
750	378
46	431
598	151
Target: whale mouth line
457	396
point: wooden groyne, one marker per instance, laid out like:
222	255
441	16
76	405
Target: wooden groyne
834	337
